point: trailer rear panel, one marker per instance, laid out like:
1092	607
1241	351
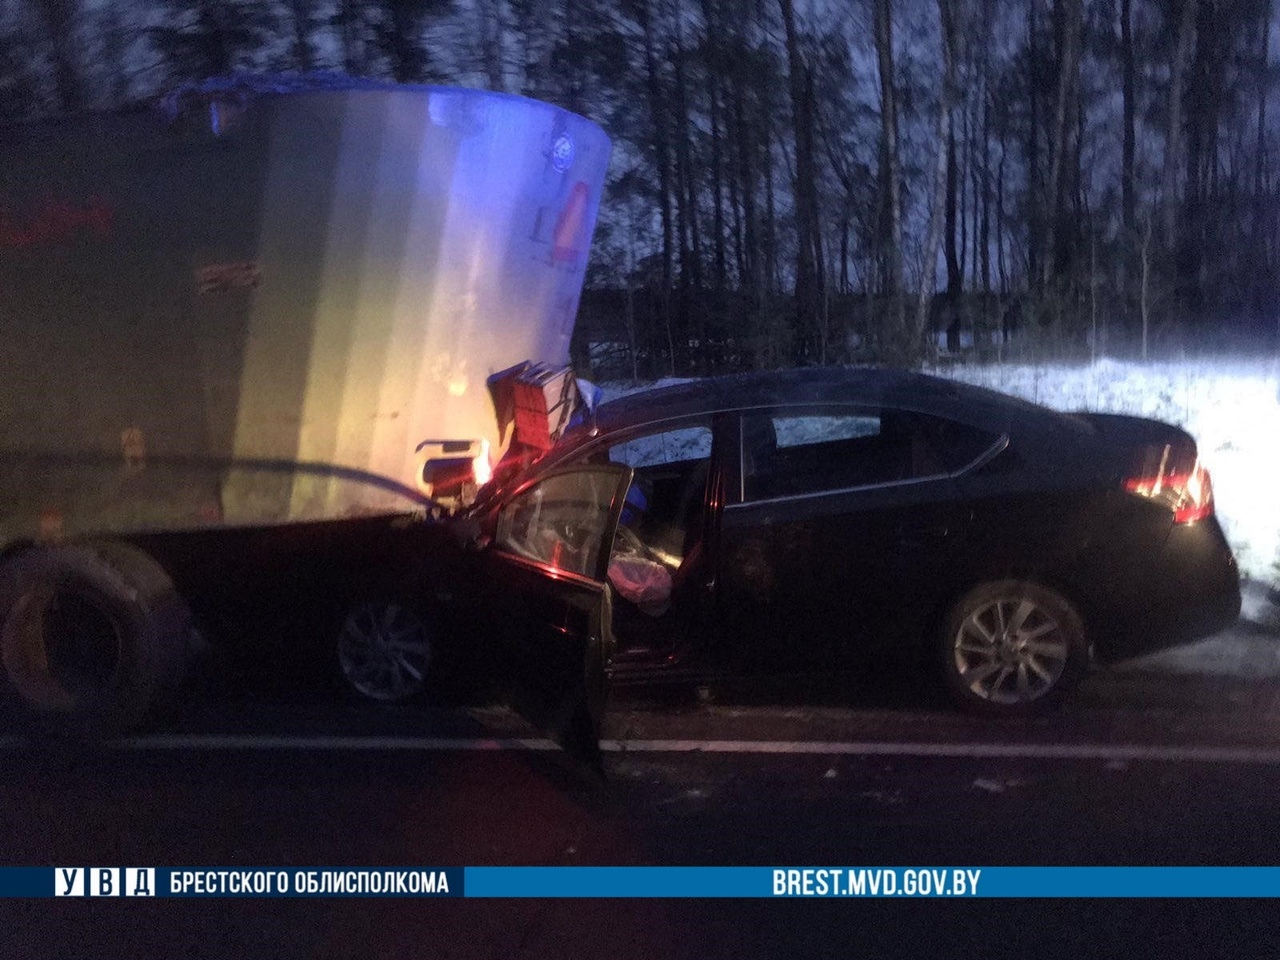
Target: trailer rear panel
195	303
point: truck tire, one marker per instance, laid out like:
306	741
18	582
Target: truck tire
92	637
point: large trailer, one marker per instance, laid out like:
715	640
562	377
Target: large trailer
267	302
254	277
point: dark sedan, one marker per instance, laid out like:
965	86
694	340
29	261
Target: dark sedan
801	522
806	521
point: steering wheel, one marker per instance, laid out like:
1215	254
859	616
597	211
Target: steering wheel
627	540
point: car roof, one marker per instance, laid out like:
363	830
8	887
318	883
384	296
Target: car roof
862	385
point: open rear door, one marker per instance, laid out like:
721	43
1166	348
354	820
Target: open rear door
550	599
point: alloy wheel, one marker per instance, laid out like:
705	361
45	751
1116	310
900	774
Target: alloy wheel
1010	651
384	651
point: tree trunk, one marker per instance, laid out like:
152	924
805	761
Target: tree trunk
954	278
808	228
351	36
717	190
750	236
300	48
686	206
715	62
1146	274
1129	90
1257	236
891	188
1002	264
662	151
984	233
1260	158
929	268
115	43
1067	80
60	18
1173	139
1035	200
491	34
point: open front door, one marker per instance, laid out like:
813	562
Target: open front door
550	600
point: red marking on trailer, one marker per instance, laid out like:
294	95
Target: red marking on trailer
56	220
567	240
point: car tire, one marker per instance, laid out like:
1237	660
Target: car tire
1011	648
93	638
385	650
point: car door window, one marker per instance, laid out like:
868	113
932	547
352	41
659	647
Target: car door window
661	519
797	453
562	521
681	445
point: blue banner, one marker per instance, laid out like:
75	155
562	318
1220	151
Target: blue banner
651	882
802	882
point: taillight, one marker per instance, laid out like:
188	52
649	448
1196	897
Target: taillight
1187	490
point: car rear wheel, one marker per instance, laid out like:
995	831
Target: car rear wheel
1011	648
385	650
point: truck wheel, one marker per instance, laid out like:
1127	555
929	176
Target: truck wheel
92	635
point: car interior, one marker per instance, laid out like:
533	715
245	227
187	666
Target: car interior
654	554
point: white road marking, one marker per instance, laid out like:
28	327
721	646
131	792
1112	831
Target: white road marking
1026	751
199	741
1029	751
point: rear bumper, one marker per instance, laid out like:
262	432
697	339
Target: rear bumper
1193	592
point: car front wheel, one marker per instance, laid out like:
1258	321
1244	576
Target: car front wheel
384	650
1011	648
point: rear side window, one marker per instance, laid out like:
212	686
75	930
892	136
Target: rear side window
797	453
956	444
800	431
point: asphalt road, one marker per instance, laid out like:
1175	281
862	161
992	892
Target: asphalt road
1155	764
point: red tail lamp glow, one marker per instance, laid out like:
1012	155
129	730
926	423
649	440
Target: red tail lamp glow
1187	492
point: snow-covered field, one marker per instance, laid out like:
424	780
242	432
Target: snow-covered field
1230	405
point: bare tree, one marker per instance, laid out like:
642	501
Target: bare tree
59	20
1173	139
353	35
1068	80
492	36
809	258
890	169
933	236
1145	299
301	52
1129	93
